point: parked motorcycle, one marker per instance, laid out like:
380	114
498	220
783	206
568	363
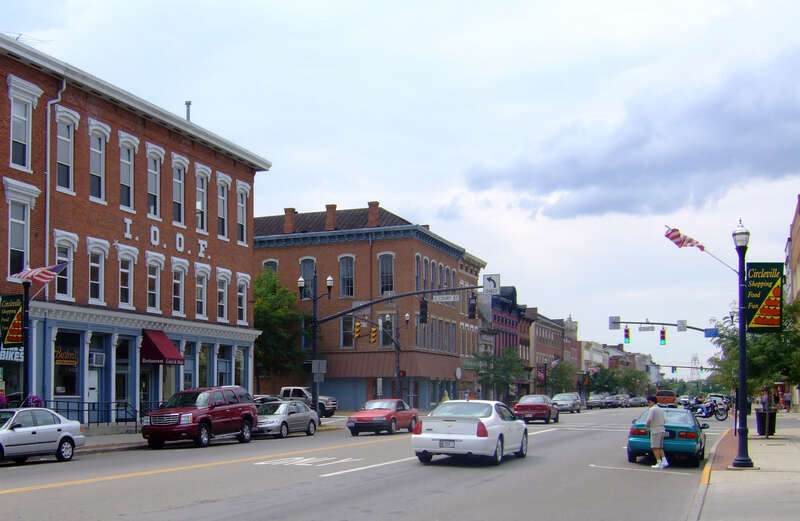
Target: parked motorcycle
709	409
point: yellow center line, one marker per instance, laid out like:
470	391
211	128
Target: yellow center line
186	467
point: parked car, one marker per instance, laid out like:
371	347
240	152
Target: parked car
637	401
202	414
684	399
470	428
684	438
536	407
616	400
264	398
595	401
667	398
326	405
34	431
279	418
568	402
383	415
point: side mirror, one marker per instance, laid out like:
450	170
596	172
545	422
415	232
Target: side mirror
161	405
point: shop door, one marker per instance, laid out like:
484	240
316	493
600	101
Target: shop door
145	386
93	395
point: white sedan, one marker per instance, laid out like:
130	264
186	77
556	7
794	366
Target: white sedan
36	430
470	428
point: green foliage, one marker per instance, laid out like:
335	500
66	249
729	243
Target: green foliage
275	313
618	381
771	357
499	372
561	378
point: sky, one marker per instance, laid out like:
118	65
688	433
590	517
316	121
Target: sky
553	140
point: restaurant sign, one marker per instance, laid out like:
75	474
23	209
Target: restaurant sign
11	320
764	302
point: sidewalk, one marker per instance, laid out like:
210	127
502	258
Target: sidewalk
768	491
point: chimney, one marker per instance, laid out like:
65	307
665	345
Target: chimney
330	217
372	215
288	220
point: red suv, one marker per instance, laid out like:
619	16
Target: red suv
202	414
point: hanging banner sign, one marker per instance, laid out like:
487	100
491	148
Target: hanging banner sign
11	320
764	302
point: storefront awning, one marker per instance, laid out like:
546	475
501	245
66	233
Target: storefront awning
158	349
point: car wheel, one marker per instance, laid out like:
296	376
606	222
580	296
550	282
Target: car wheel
392	426
155	443
65	450
312	428
246	432
631	456
353	432
424	457
412	424
203	436
497	457
555	420
284	431
523	446
19	460
547	418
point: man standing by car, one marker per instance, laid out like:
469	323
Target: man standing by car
655	426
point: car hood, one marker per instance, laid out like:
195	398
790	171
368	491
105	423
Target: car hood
372	413
268	417
177	410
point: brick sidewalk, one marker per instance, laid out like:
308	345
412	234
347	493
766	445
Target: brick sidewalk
726	452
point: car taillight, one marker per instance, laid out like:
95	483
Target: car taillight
687	435
482	432
417	428
516	407
638	432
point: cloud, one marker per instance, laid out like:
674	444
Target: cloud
669	150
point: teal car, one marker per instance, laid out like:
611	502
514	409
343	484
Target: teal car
684	440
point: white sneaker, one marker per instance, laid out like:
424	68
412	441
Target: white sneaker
665	463
656	466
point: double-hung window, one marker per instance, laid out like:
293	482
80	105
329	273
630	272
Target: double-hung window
97	249
180	165
202	175
307	266
99	134
155	263
66	125
128	147
127	256
223	187
242	193
155	157
202	273
242	283
346	275
347	331
180	268
66	243
18	236
271	264
386	267
223	281
24	97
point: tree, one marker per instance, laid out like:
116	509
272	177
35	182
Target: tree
499	372
771	357
275	313
561	378
632	380
603	381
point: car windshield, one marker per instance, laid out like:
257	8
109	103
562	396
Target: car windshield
471	409
188	399
564	396
266	409
379	404
532	399
5	416
680	417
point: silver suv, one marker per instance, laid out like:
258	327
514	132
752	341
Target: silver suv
567	402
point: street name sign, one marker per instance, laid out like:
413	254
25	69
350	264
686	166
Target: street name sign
445	298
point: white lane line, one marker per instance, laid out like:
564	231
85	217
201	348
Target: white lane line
367	467
539	432
670	472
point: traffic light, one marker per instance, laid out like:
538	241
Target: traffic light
674	369
357	330
663	341
701	369
373	334
423	311
627	335
471	306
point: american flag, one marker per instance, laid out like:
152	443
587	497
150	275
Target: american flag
682	240
43	275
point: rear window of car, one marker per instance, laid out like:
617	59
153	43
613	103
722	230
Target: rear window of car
243	395
665	393
679	417
470	409
532	399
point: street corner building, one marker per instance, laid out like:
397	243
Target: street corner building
153	217
371	255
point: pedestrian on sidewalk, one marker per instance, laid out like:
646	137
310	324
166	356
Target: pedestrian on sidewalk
655	426
787	400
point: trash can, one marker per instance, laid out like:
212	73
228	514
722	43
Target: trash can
765	421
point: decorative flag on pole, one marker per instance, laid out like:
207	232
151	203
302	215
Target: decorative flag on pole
43	275
682	240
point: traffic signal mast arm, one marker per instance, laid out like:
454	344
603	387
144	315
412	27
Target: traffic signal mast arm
661	324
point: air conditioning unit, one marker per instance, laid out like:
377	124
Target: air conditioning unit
97	359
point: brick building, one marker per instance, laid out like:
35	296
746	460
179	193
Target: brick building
153	216
371	253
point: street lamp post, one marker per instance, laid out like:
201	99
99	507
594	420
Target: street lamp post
314	326
740	238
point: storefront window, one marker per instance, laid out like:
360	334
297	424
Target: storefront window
169	378
202	378
238	366
121	392
65	375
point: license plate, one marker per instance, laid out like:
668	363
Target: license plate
447	444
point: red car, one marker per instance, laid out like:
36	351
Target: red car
388	414
536	407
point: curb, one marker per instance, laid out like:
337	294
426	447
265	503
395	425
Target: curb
696	509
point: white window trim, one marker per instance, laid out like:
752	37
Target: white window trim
129	141
179	161
99	129
224	179
223	274
201	170
68	117
182	266
64	238
24	194
29	93
154	259
101	246
394	272
131	253
265	261
242	189
242	279
154	151
204	270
